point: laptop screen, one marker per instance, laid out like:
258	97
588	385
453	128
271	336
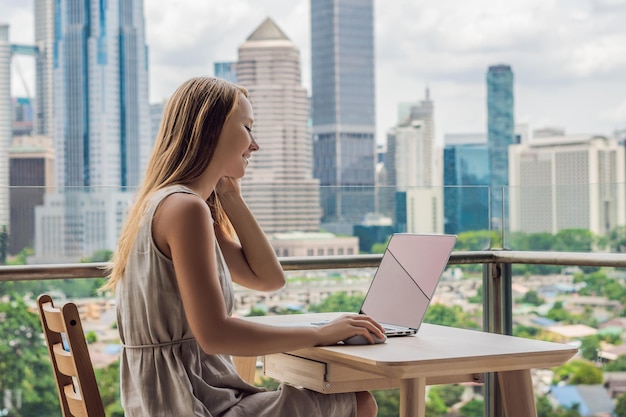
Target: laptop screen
407	277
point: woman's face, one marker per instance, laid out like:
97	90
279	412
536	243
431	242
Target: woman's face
236	142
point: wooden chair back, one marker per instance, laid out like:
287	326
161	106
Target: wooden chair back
76	382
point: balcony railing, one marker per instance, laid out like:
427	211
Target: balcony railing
497	282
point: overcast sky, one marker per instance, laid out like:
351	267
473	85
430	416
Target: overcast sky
568	56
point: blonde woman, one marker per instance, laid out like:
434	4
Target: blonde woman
187	238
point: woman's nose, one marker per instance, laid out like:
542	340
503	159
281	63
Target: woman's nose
254	145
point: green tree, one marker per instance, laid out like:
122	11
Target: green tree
270	383
339	301
531	241
449	316
616	239
620	406
109	384
478	298
578	372
24	360
544	407
434	404
102	255
473	408
450	394
91	336
574	240
528	332
618	365
594	283
255	311
589	347
478	240
378	247
4	245
558	313
21	258
531	297
388	402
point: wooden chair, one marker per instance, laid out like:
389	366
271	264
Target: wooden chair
76	383
246	367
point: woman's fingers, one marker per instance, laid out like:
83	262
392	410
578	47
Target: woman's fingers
368	323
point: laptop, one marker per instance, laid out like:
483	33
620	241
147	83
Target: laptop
406	280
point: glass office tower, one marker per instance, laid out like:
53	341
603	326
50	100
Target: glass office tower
226	70
342	75
466	183
102	120
501	134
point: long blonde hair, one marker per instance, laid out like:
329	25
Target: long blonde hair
184	147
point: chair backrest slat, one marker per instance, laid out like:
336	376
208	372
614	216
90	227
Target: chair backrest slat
54	318
64	360
75	402
76	382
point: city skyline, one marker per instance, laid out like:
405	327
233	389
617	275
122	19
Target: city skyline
568	56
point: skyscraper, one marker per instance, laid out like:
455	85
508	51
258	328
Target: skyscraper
567	182
100	119
101	113
466	181
342	75
279	184
500	134
31	173
412	167
226	70
7	113
5	122
44	64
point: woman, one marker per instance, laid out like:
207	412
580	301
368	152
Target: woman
188	235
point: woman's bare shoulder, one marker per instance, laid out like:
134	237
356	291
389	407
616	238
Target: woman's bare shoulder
182	211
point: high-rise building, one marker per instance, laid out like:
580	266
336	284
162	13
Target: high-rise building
344	127
31	176
279	184
466	182
411	164
414	153
100	93
22	116
500	135
45	61
100	119
10	112
567	182
156	117
5	122
226	70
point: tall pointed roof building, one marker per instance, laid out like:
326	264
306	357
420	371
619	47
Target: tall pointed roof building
279	185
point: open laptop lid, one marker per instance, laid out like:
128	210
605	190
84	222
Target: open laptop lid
406	278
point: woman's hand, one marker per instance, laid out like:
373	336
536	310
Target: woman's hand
228	186
347	326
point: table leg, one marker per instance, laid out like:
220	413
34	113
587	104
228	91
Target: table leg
413	397
518	397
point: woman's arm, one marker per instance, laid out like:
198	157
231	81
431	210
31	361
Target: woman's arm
251	259
183	230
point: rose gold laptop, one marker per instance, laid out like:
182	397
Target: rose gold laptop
405	281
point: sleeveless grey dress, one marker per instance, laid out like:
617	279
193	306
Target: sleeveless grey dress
163	370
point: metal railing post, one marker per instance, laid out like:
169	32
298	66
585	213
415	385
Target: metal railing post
497	318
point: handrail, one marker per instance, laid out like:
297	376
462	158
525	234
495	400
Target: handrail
497	304
301	263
